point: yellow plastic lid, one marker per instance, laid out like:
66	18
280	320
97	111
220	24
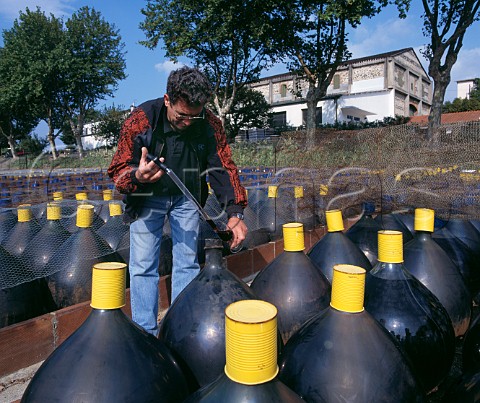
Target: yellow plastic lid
58	195
115	209
81	196
390	246
348	288
54	211
108	285
107	194
424	219
272	191
334	220
298	192
251	342
24	212
293	237
323	190
84	215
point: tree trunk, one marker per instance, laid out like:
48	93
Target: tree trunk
10	140
222	109
312	98
435	117
13	144
51	141
77	129
51	136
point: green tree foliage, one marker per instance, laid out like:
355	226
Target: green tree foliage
230	39
108	124
32	55
57	72
313	36
249	110
94	62
33	145
463	104
16	122
445	22
475	91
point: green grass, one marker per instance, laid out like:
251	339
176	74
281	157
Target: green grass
92	159
396	147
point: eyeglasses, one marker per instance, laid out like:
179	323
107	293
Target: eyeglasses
179	116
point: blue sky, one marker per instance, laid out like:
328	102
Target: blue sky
147	70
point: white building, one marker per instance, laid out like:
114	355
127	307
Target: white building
89	141
365	89
464	87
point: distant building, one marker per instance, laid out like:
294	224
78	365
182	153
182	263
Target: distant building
464	87
364	89
90	141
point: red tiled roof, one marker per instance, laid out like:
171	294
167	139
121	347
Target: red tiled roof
457	117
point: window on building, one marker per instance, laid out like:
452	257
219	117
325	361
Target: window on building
318	116
336	81
413	111
283	90
279	119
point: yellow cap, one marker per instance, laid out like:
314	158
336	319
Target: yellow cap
293	237
251	342
272	191
84	215
58	195
24	212
323	190
348	288
54	211
81	196
115	209
107	194
108	285
424	219
390	246
298	192
334	220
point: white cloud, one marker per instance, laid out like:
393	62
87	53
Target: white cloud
168	66
466	66
9	9
374	37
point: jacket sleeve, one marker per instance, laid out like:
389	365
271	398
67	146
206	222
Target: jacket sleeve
222	171
125	161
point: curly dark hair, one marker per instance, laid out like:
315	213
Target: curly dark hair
190	85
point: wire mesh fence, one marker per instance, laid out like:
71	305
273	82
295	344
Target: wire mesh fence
396	168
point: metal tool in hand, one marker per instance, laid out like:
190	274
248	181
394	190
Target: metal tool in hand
224	235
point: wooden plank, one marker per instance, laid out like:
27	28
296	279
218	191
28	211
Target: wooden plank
26	343
69	319
263	255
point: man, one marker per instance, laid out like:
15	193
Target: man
191	141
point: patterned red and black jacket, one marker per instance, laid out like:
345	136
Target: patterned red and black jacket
205	151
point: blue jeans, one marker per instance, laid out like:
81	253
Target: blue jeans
145	241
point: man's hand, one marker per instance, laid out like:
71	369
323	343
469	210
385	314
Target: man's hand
148	172
239	230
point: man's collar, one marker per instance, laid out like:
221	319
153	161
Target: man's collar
166	124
